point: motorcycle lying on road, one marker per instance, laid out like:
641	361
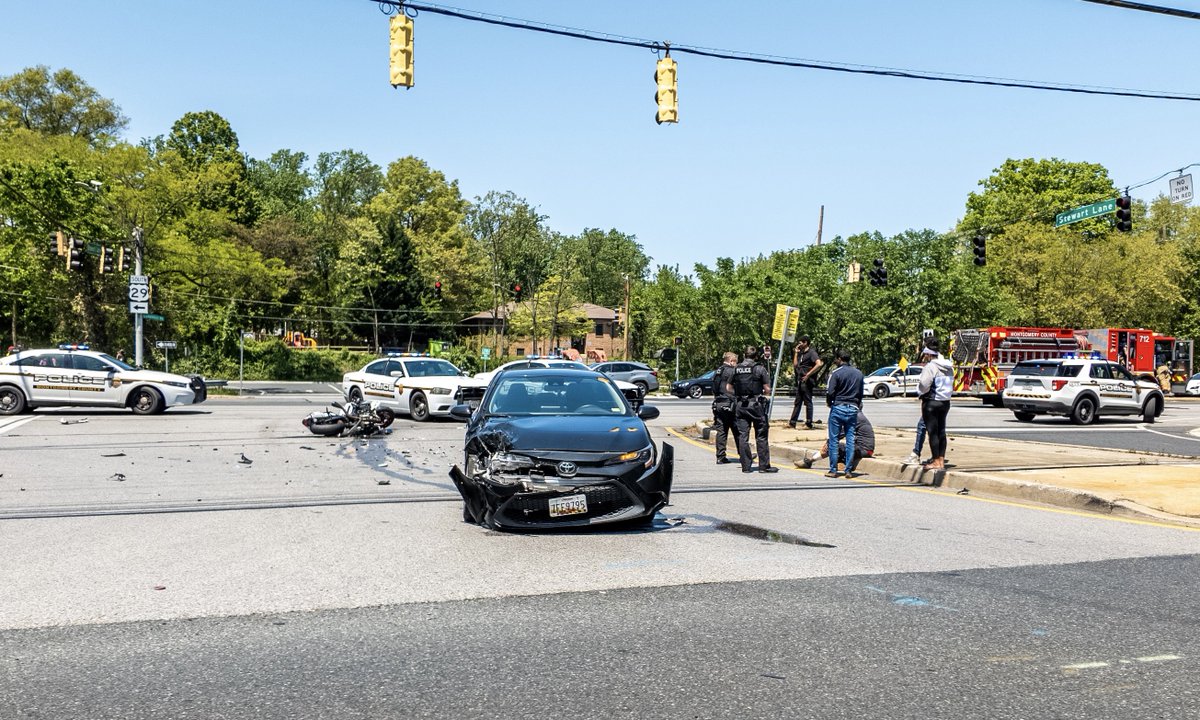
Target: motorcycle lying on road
354	418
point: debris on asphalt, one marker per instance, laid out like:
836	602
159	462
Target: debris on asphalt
118	477
964	491
383	481
65	421
120	454
160	587
676	521
305	447
244	460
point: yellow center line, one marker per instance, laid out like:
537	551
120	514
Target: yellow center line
945	494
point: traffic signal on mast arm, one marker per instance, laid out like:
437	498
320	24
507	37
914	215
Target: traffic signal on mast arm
517	292
979	246
106	259
74	254
58	243
401	46
437	289
667	93
878	275
1124	214
122	259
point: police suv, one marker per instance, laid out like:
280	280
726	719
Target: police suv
75	375
414	384
1081	389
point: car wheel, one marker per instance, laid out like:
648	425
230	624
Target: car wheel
146	401
1024	416
1150	411
418	406
642	387
355	395
881	391
1084	412
12	401
695	392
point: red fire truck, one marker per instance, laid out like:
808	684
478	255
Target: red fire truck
983	357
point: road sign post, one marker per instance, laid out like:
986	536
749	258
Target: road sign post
166	346
787	321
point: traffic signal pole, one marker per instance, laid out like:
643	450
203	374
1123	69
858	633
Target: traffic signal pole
137	318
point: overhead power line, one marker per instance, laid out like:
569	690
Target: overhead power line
763	59
1146	7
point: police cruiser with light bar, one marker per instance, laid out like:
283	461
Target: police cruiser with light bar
73	375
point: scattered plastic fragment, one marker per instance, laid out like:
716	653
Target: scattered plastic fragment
118	477
383	481
64	421
160	587
964	491
305	447
120	454
244	460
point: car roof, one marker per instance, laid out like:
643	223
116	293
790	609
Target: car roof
1044	361
549	372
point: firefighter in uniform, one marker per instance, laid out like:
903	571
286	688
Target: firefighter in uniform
724	419
750	385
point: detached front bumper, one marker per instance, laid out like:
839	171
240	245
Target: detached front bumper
608	500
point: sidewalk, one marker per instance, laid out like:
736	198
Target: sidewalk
1107	481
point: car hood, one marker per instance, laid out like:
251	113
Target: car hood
556	432
153	376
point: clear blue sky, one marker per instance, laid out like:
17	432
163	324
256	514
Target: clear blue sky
569	125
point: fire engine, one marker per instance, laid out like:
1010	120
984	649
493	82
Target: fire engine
983	357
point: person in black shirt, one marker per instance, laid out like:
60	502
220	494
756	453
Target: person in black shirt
806	362
724	418
750	385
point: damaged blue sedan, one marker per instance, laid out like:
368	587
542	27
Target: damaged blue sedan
553	448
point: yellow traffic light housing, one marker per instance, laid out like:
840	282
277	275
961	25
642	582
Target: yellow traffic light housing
667	95
401	58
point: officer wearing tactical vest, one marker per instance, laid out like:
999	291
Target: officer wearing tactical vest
724	417
750	385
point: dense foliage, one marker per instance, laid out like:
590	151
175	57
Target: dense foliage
347	252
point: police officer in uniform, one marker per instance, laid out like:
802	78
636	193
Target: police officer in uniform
751	383
724	418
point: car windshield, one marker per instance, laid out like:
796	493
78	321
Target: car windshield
1036	368
883	371
429	368
556	395
118	363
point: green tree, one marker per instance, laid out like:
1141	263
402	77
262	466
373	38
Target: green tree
58	103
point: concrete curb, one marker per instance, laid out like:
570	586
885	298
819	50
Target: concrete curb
974	482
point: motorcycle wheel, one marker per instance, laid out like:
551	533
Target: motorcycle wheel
327	429
387	416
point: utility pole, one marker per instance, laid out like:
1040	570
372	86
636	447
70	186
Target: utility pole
820	224
626	317
137	317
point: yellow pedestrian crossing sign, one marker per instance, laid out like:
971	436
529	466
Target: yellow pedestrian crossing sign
903	364
789	316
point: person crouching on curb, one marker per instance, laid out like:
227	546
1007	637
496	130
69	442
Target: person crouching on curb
843	395
724	417
864	446
935	386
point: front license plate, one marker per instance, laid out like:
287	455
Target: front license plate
569	505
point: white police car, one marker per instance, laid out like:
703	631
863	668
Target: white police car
633	393
1193	385
891	380
1081	389
73	375
414	384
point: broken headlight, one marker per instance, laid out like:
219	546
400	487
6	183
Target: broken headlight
508	463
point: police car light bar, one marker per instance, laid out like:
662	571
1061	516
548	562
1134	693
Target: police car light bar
73	346
408	354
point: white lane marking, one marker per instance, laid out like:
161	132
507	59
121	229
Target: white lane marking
1173	437
1102	664
1085	666
336	388
14	424
1047	428
1158	658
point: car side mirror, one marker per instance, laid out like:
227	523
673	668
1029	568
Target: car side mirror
461	412
396	373
647	412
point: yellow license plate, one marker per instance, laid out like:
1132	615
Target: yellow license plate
569	505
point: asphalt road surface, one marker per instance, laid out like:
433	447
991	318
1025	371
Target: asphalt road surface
301	585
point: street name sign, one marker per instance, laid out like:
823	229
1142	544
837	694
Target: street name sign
1103	207
790	316
1181	189
152	316
165	344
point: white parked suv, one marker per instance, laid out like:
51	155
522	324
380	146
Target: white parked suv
412	384
1079	389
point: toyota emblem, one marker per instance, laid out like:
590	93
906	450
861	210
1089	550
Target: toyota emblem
567	469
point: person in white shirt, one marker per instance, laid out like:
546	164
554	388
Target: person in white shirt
935	386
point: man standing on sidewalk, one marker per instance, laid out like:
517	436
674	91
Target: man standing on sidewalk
843	395
806	362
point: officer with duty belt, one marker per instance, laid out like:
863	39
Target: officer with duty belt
750	385
724	418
